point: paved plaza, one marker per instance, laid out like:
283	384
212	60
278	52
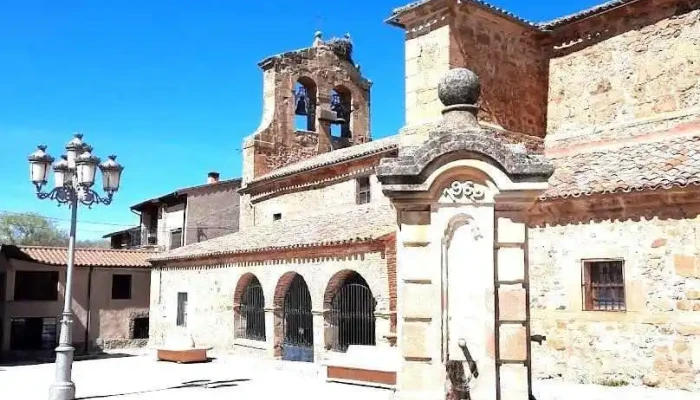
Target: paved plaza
139	376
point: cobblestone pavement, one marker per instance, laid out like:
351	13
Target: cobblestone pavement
226	377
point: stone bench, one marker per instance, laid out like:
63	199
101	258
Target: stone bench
364	365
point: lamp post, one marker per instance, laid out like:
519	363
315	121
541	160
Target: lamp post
74	176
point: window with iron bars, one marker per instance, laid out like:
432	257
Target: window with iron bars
603	285
251	314
363	190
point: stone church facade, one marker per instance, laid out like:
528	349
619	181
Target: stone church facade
588	135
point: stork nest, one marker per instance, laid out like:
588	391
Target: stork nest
342	48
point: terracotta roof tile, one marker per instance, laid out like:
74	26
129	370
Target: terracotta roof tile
353	224
332	157
644	166
83	257
584	13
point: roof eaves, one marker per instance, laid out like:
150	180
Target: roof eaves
394	18
388	146
598	9
267	249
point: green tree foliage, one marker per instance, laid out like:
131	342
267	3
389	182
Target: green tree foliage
32	229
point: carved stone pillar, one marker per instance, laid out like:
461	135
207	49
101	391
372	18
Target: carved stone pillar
461	197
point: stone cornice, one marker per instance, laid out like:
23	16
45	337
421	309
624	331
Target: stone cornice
675	203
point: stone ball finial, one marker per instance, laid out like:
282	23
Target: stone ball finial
459	86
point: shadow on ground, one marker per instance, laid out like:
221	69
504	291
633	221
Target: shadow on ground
201	383
32	359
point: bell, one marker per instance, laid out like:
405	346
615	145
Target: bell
301	106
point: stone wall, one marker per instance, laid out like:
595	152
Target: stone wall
634	69
656	341
509	58
336	196
212	212
211	296
512	64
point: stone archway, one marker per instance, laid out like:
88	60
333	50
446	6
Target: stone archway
349	306
249	308
293	319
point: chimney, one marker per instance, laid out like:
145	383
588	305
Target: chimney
212	177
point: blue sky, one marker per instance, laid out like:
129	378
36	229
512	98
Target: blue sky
172	87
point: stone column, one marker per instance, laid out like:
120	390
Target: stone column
462	173
512	299
421	375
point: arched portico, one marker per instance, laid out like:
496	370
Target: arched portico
349	306
461	198
293	320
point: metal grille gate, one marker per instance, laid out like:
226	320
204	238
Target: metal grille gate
352	317
298	323
252	313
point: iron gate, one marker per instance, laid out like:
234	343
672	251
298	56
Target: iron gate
298	323
352	317
251	316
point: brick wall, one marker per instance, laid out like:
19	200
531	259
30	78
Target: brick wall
211	294
657	341
212	212
633	65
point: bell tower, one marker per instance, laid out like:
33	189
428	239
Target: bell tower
315	100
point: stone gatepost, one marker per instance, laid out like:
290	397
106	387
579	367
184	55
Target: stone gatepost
461	193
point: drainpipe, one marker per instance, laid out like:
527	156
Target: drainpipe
87	320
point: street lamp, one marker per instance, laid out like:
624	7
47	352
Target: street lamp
74	176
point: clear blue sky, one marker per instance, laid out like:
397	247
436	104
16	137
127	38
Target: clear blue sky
172	87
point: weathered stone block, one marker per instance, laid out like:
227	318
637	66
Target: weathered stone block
514	383
511	264
416	341
416	303
511	303
513	345
684	265
510	231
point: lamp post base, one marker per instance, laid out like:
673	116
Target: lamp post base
62	391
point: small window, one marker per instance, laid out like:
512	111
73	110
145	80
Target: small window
276	216
363	190
36	286
140	328
182	309
175	238
603	285
121	287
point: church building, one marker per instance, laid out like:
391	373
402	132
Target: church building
537	215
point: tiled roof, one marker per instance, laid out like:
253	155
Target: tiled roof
583	14
92	257
543	25
354	224
642	166
333	157
400	10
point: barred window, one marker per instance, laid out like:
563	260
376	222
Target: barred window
251	316
603	285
